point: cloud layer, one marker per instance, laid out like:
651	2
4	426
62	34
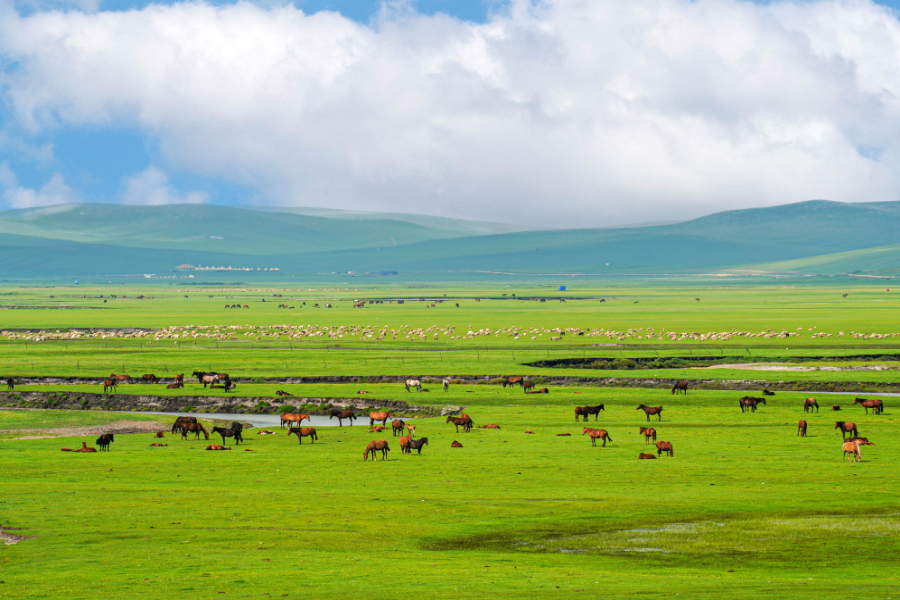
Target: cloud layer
564	113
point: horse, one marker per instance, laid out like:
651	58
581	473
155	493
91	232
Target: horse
180	421
766	392
456	444
159	434
680	386
404	444
414	383
374	446
584	411
851	448
464	420
293	418
379	416
180	379
595	434
281	393
175	386
397	425
643	456
648	432
302	432
155	445
446	383
204	378
514	381
104	441
377	429
848	427
217	447
149	378
809	404
750	402
801	428
121	378
109	384
10	384
651	410
417	445
489	426
664	447
341	415
411	429
835	408
195	428
877	406
230	432
85	448
527	385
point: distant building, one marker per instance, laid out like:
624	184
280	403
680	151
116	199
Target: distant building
185	268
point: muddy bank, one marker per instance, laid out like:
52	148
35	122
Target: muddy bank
210	404
117	428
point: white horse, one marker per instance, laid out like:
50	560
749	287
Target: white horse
414	383
446	384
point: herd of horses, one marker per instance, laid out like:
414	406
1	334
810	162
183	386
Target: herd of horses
212	379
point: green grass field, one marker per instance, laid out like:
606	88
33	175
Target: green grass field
745	508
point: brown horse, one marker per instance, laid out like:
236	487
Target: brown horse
651	410
373	447
851	448
514	381
680	386
643	456
877	406
397	426
217	447
584	411
292	418
85	448
456	444
489	426
527	385
175	386
801	428
750	402
377	429
341	415
379	416
121	377
596	434
464	420
404	444
302	432
149	378
649	433
196	429
664	447
180	378
809	404
848	427
109	384
159	434
181	421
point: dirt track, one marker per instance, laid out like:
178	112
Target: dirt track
119	427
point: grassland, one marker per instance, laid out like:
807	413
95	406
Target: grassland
745	508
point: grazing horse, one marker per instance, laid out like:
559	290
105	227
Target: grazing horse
293	418
175	386
651	410
373	447
413	383
464	420
877	406
341	415
10	383
648	432
643	456
379	416
680	386
196	429
527	385
846	428
596	434
104	441
514	381
181	421
809	404
85	448
750	402
404	444
121	378
417	445
397	425
109	384
230	432
664	447
851	448
302	432
149	378
446	383
584	411
801	428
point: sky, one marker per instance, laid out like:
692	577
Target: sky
556	113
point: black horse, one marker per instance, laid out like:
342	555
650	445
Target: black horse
10	384
584	411
417	444
104	441
233	431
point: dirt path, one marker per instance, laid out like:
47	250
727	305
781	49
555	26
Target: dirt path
117	428
10	538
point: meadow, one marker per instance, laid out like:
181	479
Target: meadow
745	507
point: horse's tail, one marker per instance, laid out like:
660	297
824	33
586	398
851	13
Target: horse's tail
608	436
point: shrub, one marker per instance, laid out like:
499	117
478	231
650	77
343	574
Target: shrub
622	363
187	409
538	380
495	380
286	408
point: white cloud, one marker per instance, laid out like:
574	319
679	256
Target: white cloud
565	112
151	186
55	191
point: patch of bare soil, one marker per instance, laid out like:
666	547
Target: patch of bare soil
11	538
758	367
117	428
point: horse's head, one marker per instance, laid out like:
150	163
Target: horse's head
641	407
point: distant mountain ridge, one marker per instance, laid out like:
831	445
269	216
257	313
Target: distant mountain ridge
816	236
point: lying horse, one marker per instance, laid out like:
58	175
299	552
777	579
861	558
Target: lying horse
302	432
750	402
464	420
584	411
877	406
848	427
377	429
809	404
766	392
648	432
651	410
664	447
379	416
104	441
85	448
680	386
180	421
217	447
159	434
175	386
596	434
196	429
230	432
643	456
341	415
373	447
417	445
